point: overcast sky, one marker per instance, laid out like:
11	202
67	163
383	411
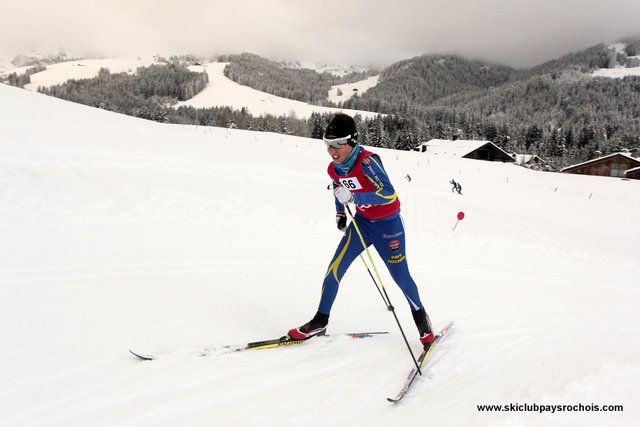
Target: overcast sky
520	33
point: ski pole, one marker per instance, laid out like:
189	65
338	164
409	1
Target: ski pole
374	280
381	288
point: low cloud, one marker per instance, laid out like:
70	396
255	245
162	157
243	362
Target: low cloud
520	33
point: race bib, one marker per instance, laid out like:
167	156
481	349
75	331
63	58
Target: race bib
351	183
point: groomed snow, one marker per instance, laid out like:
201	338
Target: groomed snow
120	233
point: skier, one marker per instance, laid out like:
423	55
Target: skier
455	186
359	177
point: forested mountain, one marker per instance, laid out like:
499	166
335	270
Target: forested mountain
300	84
598	56
145	94
558	110
422	80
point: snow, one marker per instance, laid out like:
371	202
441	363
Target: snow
339	70
82	69
617	73
120	233
349	89
222	91
457	148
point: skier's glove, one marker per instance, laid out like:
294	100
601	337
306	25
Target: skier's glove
343	195
341	221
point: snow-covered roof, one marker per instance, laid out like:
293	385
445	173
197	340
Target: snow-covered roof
522	159
633	170
462	148
457	148
633	159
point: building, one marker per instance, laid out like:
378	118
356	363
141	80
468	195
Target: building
615	164
478	150
528	160
633	173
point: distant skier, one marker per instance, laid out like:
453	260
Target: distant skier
408	177
456	186
359	177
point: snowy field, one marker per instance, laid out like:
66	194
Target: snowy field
120	233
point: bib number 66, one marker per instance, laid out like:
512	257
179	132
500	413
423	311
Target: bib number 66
351	183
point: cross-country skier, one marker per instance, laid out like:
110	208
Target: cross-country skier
359	177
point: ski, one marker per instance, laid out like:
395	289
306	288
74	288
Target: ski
421	361
284	341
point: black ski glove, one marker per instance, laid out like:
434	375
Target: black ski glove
341	221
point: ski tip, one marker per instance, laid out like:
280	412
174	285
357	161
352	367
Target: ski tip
392	400
446	328
141	356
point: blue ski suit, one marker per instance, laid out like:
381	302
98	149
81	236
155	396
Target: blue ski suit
378	218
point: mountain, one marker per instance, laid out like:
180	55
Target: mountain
422	80
287	80
565	110
559	110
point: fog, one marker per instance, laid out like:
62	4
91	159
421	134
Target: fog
520	33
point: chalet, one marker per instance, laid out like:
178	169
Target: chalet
615	164
633	173
477	150
528	160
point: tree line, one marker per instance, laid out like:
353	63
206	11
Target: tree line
300	84
556	110
148	93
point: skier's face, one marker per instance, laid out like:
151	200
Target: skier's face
339	154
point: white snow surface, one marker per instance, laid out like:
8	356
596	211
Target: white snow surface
83	69
350	89
121	233
222	91
617	73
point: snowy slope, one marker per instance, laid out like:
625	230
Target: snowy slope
617	73
222	91
83	69
344	92
120	233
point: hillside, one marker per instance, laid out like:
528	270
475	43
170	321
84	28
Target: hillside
418	82
123	233
560	110
252	103
286	80
567	110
